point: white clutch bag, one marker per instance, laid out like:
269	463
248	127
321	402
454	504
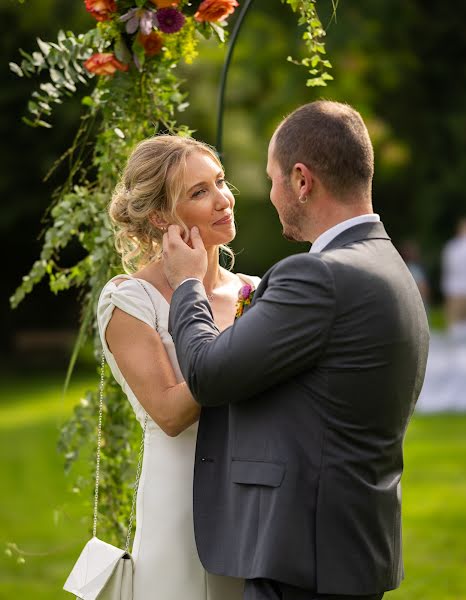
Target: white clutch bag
102	572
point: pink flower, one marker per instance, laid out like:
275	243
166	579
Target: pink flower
170	20
139	18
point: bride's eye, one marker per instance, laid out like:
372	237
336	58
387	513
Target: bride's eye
221	182
197	193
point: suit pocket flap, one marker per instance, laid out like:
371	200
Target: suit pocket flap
256	472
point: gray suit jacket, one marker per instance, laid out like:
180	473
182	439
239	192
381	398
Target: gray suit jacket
306	402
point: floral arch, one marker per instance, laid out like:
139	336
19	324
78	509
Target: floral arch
128	60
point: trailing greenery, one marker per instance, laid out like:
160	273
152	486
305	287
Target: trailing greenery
314	35
126	73
62	60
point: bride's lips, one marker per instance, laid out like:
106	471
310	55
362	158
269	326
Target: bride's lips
225	220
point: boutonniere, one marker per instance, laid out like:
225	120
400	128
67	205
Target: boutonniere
245	296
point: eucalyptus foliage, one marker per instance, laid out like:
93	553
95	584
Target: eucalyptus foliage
118	111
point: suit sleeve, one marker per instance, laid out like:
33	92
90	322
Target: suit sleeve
280	336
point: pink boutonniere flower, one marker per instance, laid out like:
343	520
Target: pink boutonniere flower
245	296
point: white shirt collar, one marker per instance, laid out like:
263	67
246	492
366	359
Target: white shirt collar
325	238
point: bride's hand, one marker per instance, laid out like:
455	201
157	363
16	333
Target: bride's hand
180	261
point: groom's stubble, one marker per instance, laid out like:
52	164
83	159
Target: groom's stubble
292	217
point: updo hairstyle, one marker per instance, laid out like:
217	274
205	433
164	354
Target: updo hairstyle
152	181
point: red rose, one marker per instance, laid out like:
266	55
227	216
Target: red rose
215	10
151	43
104	64
101	9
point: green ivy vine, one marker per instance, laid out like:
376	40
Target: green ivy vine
139	95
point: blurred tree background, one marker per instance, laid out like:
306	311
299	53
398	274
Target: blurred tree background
402	65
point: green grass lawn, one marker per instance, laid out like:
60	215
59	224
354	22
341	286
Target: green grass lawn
40	513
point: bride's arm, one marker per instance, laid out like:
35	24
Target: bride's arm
144	363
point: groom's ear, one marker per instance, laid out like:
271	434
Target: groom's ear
302	180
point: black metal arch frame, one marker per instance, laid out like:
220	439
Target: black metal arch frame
224	74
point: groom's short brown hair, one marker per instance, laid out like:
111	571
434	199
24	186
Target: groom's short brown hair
331	139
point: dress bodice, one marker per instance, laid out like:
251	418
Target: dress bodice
140	299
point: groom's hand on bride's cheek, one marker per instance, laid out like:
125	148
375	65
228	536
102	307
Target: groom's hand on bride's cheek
180	260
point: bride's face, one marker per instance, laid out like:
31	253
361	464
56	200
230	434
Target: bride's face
207	201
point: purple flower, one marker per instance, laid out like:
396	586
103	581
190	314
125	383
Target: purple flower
170	20
245	296
245	292
139	18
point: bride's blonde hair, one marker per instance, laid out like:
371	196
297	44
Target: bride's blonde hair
152	182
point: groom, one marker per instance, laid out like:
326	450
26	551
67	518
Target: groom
308	395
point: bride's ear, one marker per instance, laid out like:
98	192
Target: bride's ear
158	221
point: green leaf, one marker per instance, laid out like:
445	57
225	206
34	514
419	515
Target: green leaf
42	123
28	122
25	55
69	86
81	78
45	107
33	108
56	76
77	66
205	30
38	59
16	69
138	50
50	90
44	46
316	82
220	31
121	51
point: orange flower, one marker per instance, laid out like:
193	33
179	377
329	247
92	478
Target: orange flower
104	64
215	10
151	43
165	3
101	9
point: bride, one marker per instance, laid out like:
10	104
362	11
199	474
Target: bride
168	179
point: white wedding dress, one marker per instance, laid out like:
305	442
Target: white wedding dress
167	566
